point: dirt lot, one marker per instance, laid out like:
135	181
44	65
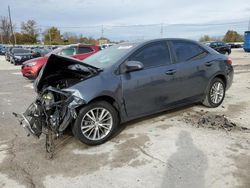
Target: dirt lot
192	146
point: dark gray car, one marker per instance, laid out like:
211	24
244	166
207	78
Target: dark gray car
124	82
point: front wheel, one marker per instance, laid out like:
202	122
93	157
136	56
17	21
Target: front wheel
96	123
215	94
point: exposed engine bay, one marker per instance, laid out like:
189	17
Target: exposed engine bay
54	108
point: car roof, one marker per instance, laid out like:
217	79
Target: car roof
143	42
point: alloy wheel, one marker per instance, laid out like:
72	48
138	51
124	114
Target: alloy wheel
217	92
96	123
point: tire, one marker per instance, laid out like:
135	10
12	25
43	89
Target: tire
86	129
213	101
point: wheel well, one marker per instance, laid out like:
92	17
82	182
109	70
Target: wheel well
223	78
108	99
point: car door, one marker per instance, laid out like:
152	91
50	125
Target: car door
192	64
150	89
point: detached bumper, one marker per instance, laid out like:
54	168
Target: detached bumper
53	110
25	123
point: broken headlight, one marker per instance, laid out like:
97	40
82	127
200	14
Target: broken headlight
48	99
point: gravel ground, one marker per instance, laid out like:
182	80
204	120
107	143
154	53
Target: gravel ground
186	147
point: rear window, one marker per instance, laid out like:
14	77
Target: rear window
84	50
68	51
186	51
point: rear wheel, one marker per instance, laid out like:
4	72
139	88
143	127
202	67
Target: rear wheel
215	94
96	123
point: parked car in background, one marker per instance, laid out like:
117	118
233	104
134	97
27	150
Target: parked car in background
7	53
31	68
125	82
41	52
103	46
235	45
3	50
221	47
19	55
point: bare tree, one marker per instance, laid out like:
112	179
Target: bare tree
5	29
30	31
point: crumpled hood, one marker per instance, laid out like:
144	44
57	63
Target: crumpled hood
56	64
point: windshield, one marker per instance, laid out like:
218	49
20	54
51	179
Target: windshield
20	50
108	56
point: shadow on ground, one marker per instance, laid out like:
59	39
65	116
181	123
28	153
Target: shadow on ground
187	166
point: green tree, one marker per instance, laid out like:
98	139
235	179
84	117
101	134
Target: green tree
83	40
232	36
205	38
53	36
29	32
70	38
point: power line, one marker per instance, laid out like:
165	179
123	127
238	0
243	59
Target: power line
144	25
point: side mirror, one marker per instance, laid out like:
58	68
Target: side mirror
133	66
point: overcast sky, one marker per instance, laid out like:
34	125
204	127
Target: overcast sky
80	13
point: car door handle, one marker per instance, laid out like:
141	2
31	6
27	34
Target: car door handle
170	72
208	64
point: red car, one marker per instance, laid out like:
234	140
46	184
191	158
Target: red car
30	69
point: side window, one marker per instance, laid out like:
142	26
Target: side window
221	43
186	51
84	50
213	44
153	55
68	51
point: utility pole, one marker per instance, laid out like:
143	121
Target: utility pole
249	26
11	27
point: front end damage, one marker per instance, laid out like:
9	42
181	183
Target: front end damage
54	108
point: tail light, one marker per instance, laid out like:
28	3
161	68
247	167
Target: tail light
229	61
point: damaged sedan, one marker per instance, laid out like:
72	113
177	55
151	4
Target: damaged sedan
124	82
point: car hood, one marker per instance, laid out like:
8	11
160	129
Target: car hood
57	64
38	59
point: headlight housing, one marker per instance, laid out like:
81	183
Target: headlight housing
31	64
48	99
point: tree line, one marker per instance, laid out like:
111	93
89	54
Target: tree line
230	36
30	32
